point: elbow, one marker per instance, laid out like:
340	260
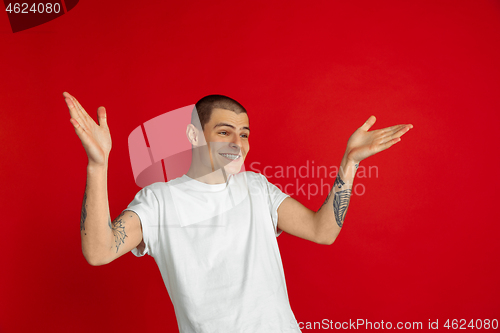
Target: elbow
325	232
326	239
94	260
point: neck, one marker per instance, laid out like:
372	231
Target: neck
208	177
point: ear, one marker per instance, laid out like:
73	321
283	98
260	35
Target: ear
194	135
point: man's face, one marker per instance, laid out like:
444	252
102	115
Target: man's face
227	135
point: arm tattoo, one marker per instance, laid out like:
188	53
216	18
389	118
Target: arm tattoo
340	202
83	216
109	223
338	182
119	231
326	200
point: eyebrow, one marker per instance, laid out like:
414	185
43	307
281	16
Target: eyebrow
229	125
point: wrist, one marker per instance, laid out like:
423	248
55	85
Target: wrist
93	167
348	168
349	159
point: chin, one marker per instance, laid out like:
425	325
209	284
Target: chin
233	168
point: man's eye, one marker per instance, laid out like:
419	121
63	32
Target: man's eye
244	136
223	132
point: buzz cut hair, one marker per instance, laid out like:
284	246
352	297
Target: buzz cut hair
204	107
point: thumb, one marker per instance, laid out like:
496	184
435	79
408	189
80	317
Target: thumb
369	123
101	116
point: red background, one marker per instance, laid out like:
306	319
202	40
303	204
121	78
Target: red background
420	244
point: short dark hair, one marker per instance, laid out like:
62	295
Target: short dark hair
205	106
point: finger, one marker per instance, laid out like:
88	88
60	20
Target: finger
397	134
369	123
85	119
79	105
80	131
75	113
403	130
397	127
101	116
73	110
72	106
75	124
82	113
388	144
391	129
386	132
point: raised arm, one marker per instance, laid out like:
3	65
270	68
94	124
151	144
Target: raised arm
102	240
324	225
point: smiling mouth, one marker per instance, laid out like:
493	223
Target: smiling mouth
231	157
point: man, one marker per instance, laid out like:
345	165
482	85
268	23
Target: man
213	231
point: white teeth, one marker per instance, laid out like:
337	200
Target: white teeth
231	156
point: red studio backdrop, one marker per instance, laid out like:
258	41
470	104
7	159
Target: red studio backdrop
420	239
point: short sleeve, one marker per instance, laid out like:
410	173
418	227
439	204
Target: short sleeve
275	198
146	206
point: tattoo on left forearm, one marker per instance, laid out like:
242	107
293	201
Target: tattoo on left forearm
340	201
338	182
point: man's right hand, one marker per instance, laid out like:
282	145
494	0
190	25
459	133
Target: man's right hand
96	139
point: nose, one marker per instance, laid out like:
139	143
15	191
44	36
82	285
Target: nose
235	144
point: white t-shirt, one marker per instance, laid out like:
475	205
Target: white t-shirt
216	248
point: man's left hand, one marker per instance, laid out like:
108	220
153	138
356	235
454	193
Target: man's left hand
363	144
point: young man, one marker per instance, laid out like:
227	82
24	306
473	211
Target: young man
213	231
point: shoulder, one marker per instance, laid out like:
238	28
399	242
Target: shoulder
162	186
153	192
155	187
162	191
252	175
256	182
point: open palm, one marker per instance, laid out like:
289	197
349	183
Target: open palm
363	144
95	138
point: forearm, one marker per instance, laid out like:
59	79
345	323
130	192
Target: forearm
329	219
95	222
